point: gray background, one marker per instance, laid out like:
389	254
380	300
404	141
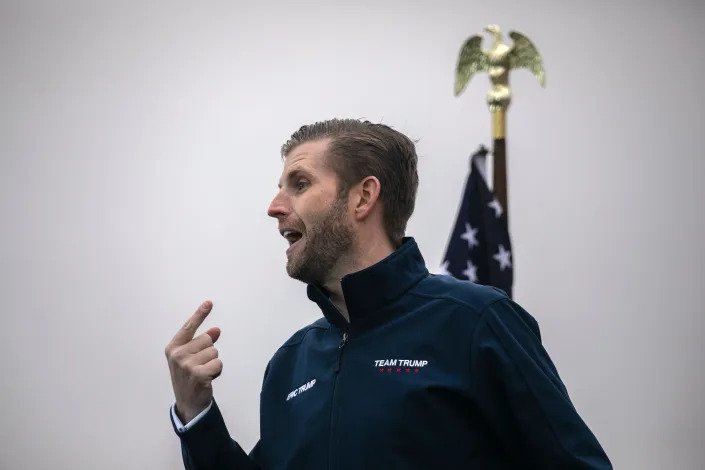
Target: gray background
139	146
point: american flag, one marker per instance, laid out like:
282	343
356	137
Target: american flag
479	249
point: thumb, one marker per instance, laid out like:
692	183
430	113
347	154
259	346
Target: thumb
214	333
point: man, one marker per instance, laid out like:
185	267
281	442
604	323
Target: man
406	369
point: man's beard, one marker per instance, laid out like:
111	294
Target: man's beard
327	240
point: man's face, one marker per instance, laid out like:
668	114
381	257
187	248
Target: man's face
312	215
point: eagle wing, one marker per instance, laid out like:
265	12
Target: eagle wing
525	55
472	59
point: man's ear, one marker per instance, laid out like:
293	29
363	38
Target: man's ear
368	195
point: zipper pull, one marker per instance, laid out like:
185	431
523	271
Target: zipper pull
344	340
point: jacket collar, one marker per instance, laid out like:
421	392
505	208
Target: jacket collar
375	287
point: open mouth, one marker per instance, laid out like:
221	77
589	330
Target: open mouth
292	236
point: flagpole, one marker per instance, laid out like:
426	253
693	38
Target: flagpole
499	158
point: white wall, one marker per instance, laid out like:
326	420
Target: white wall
139	148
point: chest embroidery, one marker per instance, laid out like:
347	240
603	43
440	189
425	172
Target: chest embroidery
301	389
400	365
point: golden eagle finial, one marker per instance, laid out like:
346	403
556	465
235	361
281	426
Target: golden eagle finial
497	62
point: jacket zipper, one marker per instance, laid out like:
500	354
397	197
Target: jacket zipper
333	411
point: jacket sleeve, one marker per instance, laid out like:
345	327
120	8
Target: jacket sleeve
519	391
207	445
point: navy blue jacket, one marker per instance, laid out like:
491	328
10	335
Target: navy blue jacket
430	372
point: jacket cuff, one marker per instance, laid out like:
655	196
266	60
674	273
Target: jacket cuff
179	427
207	443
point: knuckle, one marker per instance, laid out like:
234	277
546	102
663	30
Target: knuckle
183	362
172	353
176	354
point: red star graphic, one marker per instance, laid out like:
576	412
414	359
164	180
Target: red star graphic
389	370
398	369
416	370
381	370
408	370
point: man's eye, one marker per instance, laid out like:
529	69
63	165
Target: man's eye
301	185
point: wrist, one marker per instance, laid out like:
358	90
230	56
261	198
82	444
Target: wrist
184	414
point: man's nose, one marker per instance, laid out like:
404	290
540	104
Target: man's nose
278	207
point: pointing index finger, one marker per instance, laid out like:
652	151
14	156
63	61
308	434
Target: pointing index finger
186	333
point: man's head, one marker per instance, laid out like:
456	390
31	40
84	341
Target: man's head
343	181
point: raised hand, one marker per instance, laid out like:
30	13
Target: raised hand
193	364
